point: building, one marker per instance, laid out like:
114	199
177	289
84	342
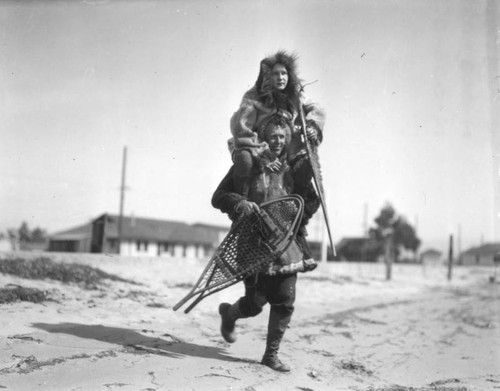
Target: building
140	237
75	239
481	255
316	248
431	257
359	249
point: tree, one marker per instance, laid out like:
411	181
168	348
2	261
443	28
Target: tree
24	233
390	224
38	235
12	234
392	233
405	235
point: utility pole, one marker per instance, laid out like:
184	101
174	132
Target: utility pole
365	220
416	234
459	244
122	198
450	258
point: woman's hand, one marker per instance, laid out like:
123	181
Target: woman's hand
274	166
312	134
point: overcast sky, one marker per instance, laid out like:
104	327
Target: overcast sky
404	84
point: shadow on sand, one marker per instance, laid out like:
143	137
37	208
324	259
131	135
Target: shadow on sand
170	346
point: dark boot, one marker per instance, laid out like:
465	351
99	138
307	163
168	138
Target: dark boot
229	314
276	328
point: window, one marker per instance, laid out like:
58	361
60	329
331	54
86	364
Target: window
141	245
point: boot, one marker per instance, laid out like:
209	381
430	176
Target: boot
276	330
229	314
270	358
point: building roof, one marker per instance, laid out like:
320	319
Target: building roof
485	249
76	233
139	228
347	241
219	228
431	251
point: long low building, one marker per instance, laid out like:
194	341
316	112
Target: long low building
486	255
140	237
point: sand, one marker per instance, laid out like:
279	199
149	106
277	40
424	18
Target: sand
352	330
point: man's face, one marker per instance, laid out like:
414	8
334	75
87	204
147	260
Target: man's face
279	77
275	137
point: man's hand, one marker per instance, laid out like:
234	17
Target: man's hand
274	166
247	207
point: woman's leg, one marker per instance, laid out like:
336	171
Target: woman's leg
302	174
243	164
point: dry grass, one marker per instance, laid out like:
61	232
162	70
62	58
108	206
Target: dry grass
14	293
44	268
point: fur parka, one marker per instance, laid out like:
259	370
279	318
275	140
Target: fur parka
260	103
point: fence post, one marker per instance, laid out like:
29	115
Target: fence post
388	256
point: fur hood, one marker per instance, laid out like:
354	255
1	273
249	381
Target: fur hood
292	92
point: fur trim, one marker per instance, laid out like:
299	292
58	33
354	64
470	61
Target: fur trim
290	98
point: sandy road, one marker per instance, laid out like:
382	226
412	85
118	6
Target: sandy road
351	331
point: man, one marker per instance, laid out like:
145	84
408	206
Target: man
276	285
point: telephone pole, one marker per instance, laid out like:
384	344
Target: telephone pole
365	220
459	244
122	199
450	258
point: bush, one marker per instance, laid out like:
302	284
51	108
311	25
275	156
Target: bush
44	268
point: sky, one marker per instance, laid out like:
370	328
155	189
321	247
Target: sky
407	87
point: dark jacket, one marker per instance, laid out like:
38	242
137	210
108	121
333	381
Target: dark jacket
298	257
226	199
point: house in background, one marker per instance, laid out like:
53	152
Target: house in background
140	237
356	250
431	256
481	255
316	248
75	240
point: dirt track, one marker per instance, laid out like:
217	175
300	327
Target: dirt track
351	331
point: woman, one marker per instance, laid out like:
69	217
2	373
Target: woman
277	91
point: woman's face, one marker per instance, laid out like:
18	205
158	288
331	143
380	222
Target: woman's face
279	77
275	138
